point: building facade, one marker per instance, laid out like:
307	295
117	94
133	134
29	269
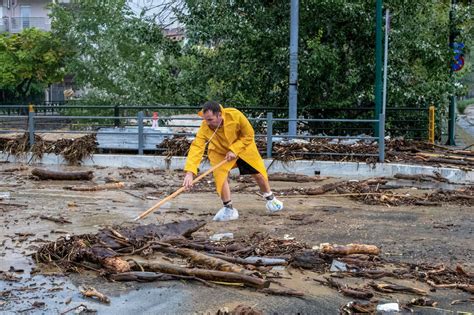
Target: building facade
19	14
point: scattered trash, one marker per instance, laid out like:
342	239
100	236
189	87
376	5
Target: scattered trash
388	307
264	261
287	237
220	236
338	266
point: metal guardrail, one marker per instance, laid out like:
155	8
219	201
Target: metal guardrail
140	119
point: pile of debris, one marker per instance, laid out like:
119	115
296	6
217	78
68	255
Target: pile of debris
146	253
73	150
226	262
375	192
175	146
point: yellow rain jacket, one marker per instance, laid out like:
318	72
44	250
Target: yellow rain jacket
236	135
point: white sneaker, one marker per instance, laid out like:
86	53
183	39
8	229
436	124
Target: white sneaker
274	205
226	214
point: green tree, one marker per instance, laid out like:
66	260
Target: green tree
122	57
241	47
31	60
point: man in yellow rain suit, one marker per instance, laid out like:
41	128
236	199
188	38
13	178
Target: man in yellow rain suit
229	135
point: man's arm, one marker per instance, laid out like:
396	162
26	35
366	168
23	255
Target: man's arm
247	135
196	151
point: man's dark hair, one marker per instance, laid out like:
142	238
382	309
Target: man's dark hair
212	106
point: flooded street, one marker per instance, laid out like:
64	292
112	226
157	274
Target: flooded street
412	234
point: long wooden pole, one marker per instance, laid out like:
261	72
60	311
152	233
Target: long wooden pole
161	202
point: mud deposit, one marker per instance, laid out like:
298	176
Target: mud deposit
435	235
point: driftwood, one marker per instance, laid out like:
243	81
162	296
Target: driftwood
14	169
261	261
325	188
347	291
446	157
211	275
57	175
465	287
462	152
422	302
285	292
203	260
451	161
391	288
141	276
421	177
282	177
93	293
57	220
97	187
349	249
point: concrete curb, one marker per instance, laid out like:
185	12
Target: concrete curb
348	170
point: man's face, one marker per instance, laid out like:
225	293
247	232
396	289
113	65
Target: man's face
213	121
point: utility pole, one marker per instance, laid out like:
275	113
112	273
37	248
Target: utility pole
293	81
378	63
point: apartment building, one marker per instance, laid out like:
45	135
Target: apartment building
16	15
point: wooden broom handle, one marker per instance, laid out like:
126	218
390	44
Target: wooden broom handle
177	192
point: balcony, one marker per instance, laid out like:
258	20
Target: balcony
17	24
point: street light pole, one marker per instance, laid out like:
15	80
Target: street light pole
378	62
293	80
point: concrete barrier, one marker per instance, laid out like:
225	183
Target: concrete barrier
347	170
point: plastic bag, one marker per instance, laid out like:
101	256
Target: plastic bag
274	205
226	214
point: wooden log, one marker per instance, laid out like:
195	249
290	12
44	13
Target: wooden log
211	275
141	276
391	288
57	220
450	161
447	157
349	249
347	291
462	152
93	293
204	260
325	188
261	262
97	187
282	177
284	292
421	177
58	175
462	286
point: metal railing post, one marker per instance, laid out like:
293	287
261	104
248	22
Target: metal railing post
431	125
140	133
381	138
31	125
269	134
116	114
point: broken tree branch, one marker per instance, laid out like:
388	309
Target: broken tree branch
57	175
211	275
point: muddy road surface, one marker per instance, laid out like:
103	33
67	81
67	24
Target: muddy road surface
435	235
